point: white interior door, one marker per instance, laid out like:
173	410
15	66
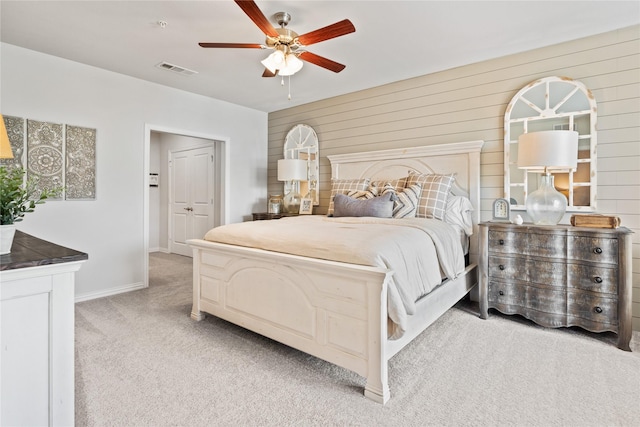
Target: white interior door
191	197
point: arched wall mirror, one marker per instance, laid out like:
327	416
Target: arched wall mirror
552	103
301	143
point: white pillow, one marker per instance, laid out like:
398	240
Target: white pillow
458	212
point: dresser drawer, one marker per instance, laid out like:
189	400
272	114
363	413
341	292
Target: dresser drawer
593	278
543	245
593	307
545	272
506	293
547	245
593	249
506	268
549	300
505	242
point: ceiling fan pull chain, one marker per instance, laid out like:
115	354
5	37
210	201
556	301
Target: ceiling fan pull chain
289	88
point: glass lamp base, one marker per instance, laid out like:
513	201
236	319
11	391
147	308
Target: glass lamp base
291	202
546	206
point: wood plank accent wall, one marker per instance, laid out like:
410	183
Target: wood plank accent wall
468	103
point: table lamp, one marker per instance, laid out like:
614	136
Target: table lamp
294	170
5	145
542	151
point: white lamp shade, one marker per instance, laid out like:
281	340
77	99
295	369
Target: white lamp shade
274	62
293	66
5	145
292	170
553	149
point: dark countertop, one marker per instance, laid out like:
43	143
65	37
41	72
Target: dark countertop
29	251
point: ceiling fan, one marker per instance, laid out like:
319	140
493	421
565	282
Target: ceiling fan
288	46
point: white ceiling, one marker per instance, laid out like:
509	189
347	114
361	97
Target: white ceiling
394	40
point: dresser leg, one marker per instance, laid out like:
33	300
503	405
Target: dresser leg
624	338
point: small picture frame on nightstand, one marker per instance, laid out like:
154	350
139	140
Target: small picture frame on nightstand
501	210
306	207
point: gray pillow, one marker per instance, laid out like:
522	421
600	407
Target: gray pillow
381	207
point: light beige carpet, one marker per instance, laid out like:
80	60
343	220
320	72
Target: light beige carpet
142	361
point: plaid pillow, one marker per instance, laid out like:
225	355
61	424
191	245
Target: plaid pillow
344	186
435	191
397	184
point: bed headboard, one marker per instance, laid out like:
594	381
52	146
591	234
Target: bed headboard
462	158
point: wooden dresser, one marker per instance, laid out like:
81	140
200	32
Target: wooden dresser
558	276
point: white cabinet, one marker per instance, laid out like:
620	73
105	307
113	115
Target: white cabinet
37	342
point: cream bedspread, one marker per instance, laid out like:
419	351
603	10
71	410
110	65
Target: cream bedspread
417	250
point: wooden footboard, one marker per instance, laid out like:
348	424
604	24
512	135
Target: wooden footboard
334	311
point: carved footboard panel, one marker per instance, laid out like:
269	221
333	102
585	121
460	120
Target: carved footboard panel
334	311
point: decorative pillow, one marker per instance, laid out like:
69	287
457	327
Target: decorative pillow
406	200
458	212
381	207
369	193
435	191
343	186
397	184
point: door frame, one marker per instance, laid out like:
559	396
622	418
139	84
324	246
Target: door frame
221	197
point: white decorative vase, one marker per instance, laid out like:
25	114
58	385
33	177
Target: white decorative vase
6	238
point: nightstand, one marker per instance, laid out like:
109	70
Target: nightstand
558	276
265	215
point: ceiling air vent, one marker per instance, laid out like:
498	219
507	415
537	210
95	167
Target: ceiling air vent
176	69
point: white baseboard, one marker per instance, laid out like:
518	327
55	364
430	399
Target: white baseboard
109	292
163	250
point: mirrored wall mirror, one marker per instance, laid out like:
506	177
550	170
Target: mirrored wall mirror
301	143
552	103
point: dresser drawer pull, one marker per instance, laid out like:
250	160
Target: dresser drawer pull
597	279
501	267
597	251
501	293
501	241
598	309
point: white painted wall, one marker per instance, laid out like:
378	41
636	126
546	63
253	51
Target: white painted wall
110	229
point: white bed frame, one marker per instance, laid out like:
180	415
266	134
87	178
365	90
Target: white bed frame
334	311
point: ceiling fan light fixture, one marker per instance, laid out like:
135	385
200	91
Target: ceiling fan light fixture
292	65
275	61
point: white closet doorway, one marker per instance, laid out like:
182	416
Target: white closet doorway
191	192
160	141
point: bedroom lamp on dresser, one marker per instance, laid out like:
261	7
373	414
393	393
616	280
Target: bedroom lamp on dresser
294	171
546	151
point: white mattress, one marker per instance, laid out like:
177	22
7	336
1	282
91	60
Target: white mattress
415	249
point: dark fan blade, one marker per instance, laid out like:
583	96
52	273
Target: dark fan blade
258	18
268	73
234	45
322	62
334	30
